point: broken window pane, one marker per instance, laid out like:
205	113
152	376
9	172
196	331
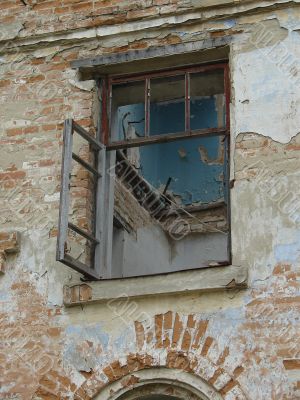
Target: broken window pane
167	105
128	111
173	204
207	105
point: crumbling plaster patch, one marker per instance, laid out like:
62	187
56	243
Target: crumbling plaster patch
10	31
266	176
259	105
187	15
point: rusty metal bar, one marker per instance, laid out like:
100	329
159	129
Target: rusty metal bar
227	95
165	73
168	72
147	106
187	103
167	138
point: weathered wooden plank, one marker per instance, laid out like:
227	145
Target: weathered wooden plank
83	233
65	192
89	138
100	215
80	267
85	165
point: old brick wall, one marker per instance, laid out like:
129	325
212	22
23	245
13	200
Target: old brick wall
243	343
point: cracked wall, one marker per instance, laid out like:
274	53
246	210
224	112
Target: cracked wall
242	343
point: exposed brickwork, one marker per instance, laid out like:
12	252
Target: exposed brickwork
189	360
78	293
30	357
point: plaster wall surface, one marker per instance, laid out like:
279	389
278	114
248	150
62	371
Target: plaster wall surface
231	344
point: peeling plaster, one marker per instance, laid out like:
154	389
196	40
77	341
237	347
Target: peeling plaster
270	110
10	31
289	252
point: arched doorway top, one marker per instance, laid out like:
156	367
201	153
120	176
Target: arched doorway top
159	383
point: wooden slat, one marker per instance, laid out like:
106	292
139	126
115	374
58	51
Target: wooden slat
85	165
83	233
100	213
83	133
80	267
65	192
100	209
105	216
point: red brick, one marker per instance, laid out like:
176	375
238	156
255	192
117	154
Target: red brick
4	82
230	385
168	320
206	346
158	330
186	341
143	13
291	364
37	78
177	330
200	331
14	131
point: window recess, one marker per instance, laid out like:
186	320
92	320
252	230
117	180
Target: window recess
161	192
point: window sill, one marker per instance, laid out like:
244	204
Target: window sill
201	280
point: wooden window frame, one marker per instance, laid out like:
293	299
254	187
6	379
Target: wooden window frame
188	133
102	146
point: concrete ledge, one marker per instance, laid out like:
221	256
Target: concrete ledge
201	280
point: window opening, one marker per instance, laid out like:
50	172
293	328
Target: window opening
152	196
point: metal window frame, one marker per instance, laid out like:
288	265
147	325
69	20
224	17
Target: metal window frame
147	139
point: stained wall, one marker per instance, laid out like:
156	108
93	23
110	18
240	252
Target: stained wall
243	343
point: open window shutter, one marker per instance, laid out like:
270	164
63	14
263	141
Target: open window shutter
95	237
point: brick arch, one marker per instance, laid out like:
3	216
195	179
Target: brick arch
159	381
174	342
